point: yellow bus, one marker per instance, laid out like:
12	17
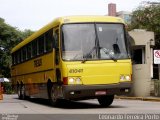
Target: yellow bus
74	58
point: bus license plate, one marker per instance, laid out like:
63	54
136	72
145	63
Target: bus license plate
100	93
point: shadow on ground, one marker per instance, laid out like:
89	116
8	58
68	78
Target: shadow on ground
67	104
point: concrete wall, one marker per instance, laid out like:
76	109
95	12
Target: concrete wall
141	80
142	37
142	73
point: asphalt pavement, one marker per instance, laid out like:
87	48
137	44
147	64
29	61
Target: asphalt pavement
125	108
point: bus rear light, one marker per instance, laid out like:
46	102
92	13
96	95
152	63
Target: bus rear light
65	80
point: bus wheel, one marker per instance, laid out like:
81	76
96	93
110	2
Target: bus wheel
21	92
53	95
106	101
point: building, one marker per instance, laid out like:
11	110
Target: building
142	59
112	9
125	15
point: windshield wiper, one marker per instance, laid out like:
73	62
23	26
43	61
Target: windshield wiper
88	54
109	54
96	47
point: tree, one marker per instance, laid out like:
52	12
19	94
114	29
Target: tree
9	37
26	33
147	16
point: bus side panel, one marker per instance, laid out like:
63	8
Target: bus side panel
34	74
36	84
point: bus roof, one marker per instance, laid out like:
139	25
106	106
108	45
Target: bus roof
64	20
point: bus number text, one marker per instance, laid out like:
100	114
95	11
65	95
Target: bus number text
75	70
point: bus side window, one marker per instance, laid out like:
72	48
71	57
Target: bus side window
16	57
41	45
49	40
34	48
19	56
29	48
24	53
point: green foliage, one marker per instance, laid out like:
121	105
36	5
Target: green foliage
7	86
26	33
9	37
147	17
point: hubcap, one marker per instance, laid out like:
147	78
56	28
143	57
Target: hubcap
54	93
19	93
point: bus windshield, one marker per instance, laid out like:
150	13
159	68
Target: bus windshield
94	41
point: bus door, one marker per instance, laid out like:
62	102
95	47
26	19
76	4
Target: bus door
57	55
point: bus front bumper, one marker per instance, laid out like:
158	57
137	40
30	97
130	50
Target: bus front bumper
93	91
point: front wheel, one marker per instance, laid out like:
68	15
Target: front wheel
106	101
53	95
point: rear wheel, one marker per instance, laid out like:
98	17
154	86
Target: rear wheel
106	101
21	92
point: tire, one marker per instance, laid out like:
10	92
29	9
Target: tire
53	95
21	92
106	101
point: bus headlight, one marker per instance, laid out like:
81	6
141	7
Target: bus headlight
128	77
71	80
125	78
122	77
74	80
78	81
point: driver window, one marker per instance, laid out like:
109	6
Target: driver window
55	35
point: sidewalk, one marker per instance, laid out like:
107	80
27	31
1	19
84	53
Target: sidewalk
150	98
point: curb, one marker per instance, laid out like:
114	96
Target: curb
152	99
